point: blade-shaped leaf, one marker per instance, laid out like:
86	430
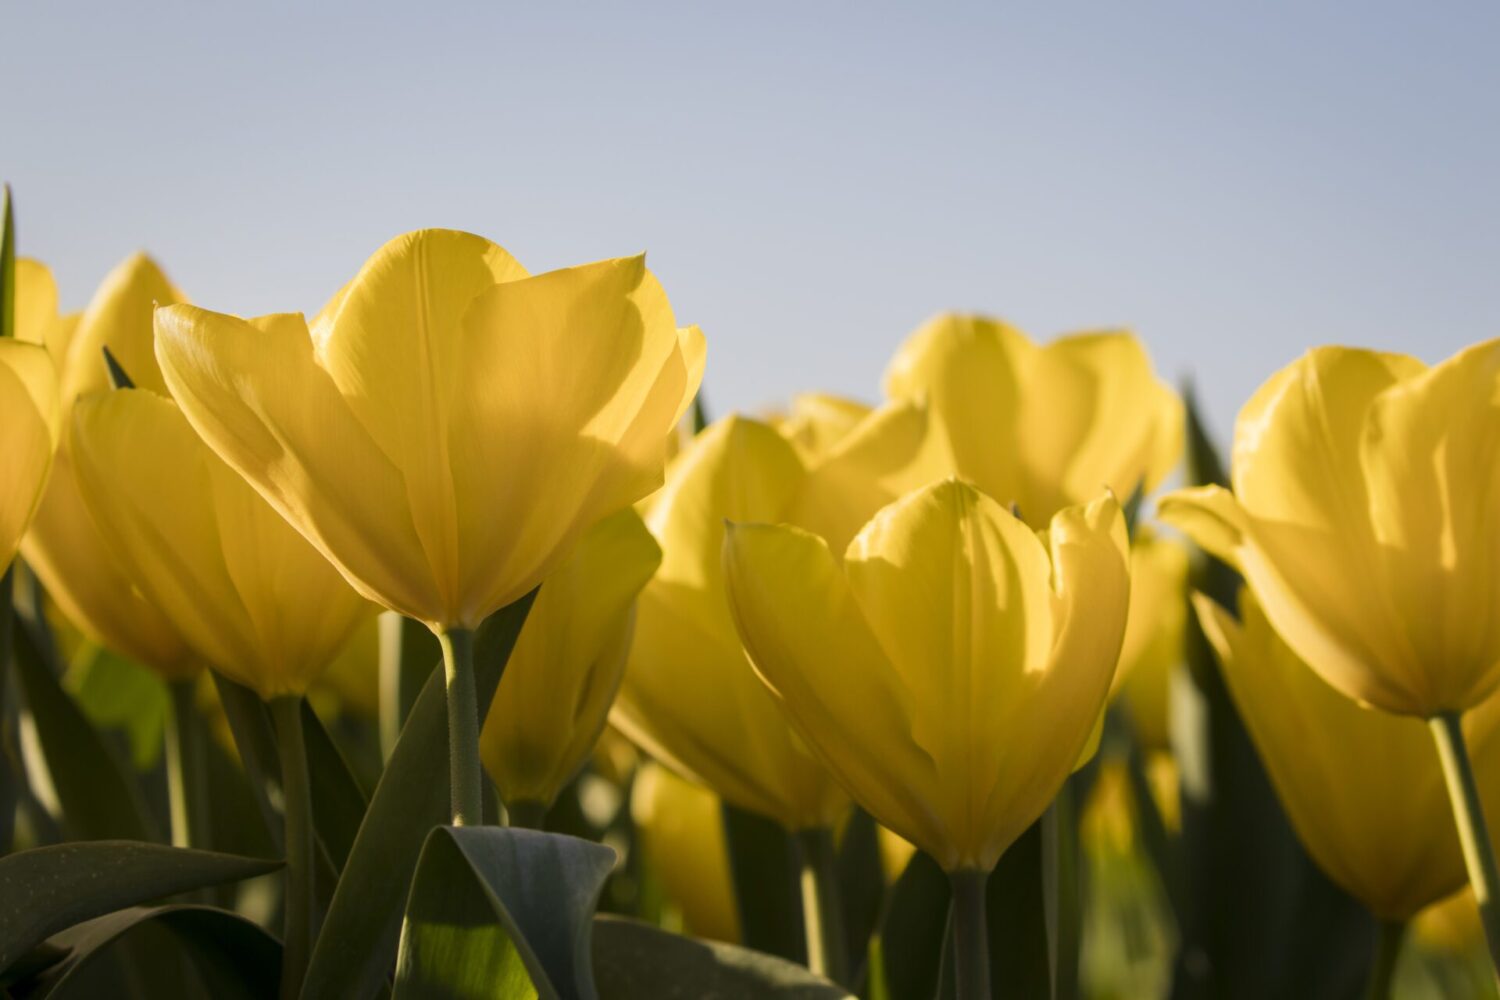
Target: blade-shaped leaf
233	957
45	890
633	961
99	799
357	945
497	912
763	864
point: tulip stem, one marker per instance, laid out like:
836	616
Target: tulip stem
971	948
1383	967
1473	834
296	793
822	908
187	780
1062	890
465	776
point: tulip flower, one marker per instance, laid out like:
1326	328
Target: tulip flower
75	564
1154	634
950	673
250	594
29	417
681	830
446	428
1335	764
1361	518
1042	427
567	664
816	422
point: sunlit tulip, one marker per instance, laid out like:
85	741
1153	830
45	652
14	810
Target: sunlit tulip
64	548
681	831
562	676
816	422
1042	427
951	672
1362	788
29	421
1154	634
255	600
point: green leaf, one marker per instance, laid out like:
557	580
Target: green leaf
117	694
861	886
357	944
45	890
99	798
233	957
338	800
501	912
764	865
7	267
635	961
408	651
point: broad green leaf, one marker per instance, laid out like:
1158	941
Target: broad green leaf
338	800
763	864
357	944
635	961
99	798
117	694
45	890
501	912
232	957
408	651
861	886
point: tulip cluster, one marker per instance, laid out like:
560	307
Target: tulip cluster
809	671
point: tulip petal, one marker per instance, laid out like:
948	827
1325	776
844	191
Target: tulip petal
118	317
28	436
37	321
1210	516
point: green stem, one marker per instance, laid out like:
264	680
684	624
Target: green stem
187	780
822	909
971	948
1383	967
1062	891
296	790
1473	834
526	815
465	775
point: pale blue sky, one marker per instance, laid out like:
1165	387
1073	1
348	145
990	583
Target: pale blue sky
812	180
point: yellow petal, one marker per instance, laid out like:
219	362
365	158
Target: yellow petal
37	320
693	347
28	436
681	828
567	665
1210	516
1154	635
818	421
247	592
1334	765
689	696
118	317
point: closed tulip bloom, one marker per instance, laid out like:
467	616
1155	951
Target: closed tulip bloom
1042	427
448	426
75	564
681	829
561	678
951	672
254	599
29	417
1362	788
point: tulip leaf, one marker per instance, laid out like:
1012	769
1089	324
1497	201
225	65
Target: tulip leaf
635	961
357	944
763	865
231	956
861	885
7	266
51	888
505	912
408	652
338	800
99	798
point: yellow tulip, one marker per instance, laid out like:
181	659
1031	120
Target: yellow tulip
1042	427
554	698
1362	519
816	422
447	427
681	831
1154	633
254	599
952	671
1362	788
29	419
64	547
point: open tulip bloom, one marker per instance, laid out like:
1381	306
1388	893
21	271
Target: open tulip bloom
1363	519
949	671
446	428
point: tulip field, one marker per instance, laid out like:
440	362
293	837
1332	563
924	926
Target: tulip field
446	642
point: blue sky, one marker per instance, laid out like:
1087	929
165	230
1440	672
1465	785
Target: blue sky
1235	182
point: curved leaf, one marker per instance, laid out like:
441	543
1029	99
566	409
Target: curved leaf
234	957
635	961
357	945
497	912
45	890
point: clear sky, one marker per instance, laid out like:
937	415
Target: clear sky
1235	181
